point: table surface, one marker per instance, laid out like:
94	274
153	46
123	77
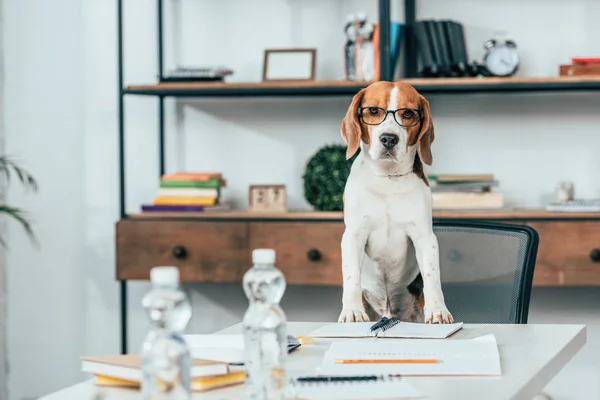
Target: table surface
530	355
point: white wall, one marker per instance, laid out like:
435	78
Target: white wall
3	294
61	119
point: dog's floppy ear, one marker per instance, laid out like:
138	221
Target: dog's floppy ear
351	129
426	134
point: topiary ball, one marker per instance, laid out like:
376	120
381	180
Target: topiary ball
325	177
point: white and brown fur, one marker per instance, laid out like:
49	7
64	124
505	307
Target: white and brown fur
390	255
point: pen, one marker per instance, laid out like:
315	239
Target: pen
338	378
405	361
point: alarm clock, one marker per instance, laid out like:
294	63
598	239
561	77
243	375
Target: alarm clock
500	59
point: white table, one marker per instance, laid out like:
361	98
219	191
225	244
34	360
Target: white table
531	355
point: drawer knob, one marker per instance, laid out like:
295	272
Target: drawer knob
595	255
313	255
179	252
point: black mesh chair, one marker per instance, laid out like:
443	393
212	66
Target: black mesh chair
487	270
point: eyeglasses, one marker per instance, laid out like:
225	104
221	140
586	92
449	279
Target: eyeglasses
405	117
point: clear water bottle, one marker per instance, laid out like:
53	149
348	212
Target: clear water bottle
366	49
165	356
265	330
350	48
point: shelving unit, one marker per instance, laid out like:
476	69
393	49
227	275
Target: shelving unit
237	231
345	88
505	215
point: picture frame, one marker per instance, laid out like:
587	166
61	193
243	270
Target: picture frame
289	65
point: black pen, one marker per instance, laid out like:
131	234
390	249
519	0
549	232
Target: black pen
338	378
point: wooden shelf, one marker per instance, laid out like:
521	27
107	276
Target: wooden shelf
521	214
330	88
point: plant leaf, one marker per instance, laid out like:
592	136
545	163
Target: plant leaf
21	217
7	165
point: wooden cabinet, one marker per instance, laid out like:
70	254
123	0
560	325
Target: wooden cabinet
204	251
308	253
568	253
308	250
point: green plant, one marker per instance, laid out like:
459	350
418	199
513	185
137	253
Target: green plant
325	177
8	167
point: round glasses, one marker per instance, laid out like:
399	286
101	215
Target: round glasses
405	117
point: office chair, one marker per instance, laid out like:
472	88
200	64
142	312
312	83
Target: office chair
486	270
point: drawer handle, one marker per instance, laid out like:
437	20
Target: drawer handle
313	255
179	252
595	255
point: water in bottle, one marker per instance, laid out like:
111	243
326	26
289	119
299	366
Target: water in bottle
165	356
265	331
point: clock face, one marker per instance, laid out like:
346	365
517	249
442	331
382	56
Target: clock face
502	61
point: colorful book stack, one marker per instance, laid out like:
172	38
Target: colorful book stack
187	191
125	371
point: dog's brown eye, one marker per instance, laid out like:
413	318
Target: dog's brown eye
408	114
373	111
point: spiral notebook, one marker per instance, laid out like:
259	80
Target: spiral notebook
352	388
392	328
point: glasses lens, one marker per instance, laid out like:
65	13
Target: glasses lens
373	115
407	117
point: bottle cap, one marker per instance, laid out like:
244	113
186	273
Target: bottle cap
164	276
263	256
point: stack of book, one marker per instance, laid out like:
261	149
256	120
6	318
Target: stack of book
581	66
462	192
125	371
188	192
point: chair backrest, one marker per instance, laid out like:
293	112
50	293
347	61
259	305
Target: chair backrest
487	269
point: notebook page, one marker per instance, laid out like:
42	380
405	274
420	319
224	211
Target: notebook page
390	388
348	330
456	357
423	331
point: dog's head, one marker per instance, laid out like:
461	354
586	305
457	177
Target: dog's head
390	119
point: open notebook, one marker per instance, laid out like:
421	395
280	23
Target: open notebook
396	330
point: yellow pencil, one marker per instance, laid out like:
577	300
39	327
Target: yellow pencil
406	361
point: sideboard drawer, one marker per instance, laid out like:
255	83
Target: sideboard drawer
308	253
565	253
204	251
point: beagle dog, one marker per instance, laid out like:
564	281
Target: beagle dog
390	255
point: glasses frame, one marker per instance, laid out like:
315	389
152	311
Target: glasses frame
419	113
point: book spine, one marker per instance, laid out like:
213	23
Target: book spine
443	47
188	192
189	176
212	184
171	208
434	45
191	201
428	67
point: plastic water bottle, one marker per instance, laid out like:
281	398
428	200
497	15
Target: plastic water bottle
265	330
366	50
165	356
350	48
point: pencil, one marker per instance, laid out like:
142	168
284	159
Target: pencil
406	361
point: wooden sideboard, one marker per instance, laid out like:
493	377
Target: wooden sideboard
217	247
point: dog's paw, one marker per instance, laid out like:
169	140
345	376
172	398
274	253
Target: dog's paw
353	315
438	315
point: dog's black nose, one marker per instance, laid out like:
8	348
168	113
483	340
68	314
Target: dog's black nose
389	140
